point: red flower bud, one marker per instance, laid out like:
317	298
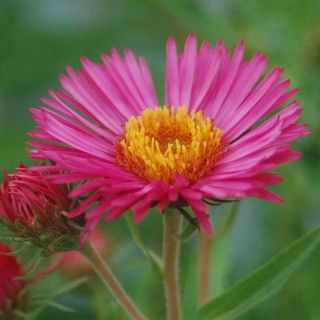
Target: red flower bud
31	206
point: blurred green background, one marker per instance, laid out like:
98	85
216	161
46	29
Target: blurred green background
38	38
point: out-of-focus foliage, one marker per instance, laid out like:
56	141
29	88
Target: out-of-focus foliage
38	38
261	284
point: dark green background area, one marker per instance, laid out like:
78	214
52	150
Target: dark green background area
38	38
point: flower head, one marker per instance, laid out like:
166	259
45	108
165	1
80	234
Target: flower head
10	285
214	138
31	207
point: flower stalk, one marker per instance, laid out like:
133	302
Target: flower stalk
171	248
109	279
205	263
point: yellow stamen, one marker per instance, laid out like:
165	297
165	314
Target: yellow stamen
165	142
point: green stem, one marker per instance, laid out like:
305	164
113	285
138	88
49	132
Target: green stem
206	243
108	278
171	246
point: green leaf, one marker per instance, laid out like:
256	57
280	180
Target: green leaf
19	314
45	299
230	219
30	271
68	287
192	226
263	283
15	252
155	260
188	231
60	306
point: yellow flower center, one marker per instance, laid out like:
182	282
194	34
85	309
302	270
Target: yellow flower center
165	142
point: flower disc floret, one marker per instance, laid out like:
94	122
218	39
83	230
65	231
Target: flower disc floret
165	142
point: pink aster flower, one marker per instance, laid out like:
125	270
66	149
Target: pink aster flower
223	129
